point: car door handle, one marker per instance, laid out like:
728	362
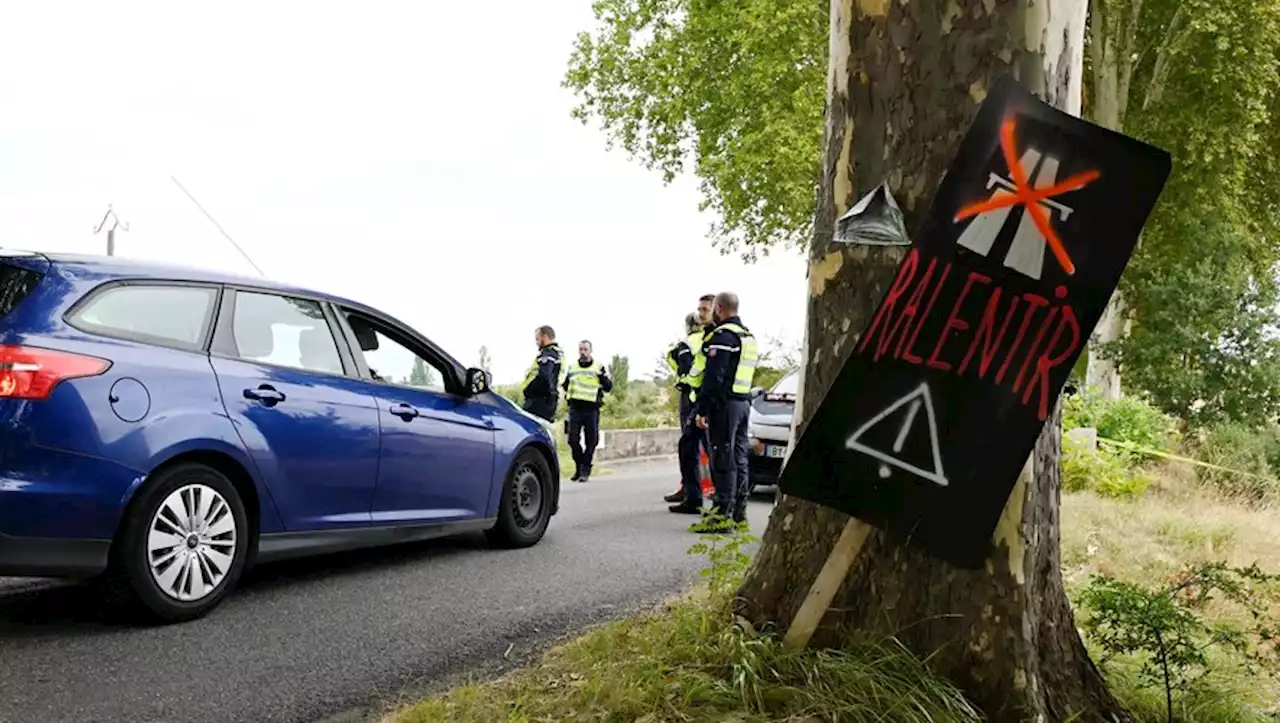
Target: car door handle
265	394
405	411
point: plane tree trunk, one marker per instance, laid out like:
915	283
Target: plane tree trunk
905	82
1113	30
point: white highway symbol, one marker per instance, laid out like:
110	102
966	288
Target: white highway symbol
1026	254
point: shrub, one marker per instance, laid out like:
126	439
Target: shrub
767	376
1216	697
514	392
1129	419
634	421
1163	628
646	405
1250	456
1107	473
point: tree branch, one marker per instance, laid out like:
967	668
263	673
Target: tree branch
1168	685
1098	18
1173	38
1127	59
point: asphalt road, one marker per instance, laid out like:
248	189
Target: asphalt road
302	641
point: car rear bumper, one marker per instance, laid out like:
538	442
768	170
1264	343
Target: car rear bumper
60	495
763	470
58	513
52	557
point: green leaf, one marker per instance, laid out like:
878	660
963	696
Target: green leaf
735	89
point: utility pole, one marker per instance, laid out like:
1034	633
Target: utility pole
111	232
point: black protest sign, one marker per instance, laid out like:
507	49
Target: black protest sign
940	402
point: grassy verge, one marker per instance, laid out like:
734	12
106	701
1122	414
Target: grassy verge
690	661
684	663
1148	541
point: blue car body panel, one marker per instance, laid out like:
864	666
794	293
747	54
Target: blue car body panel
317	451
335	457
423	482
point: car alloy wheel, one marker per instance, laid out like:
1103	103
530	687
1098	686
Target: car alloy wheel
191	543
526	491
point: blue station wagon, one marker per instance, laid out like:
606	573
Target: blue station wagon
161	429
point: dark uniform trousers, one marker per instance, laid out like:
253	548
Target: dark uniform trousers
729	440
583	419
691	440
542	407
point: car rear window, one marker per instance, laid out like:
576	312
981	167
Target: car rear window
15	284
163	314
787	386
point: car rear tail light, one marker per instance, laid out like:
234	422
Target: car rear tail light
28	372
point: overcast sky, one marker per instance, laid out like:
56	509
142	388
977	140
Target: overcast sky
418	157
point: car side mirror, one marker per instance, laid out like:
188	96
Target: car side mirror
757	392
477	381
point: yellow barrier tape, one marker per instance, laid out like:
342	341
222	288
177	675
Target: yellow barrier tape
1188	460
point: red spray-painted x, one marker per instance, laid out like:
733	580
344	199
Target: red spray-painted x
1023	194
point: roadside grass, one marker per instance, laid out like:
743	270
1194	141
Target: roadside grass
1176	523
1148	541
1219	698
691	661
599	468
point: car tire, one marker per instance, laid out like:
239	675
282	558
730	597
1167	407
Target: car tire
198	508
525	508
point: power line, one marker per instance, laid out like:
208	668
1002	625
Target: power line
217	225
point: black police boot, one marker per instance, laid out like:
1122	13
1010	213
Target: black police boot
586	474
685	508
577	473
674	496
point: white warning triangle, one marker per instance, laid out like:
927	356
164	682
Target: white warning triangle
916	398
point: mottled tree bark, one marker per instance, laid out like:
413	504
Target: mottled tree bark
906	80
1113	34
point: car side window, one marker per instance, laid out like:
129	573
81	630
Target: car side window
163	314
285	331
392	362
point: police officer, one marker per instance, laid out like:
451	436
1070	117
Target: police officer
585	383
723	407
541	394
680	361
692	438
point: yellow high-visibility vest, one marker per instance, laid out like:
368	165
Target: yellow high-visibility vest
747	359
694	377
584	382
671	362
533	368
